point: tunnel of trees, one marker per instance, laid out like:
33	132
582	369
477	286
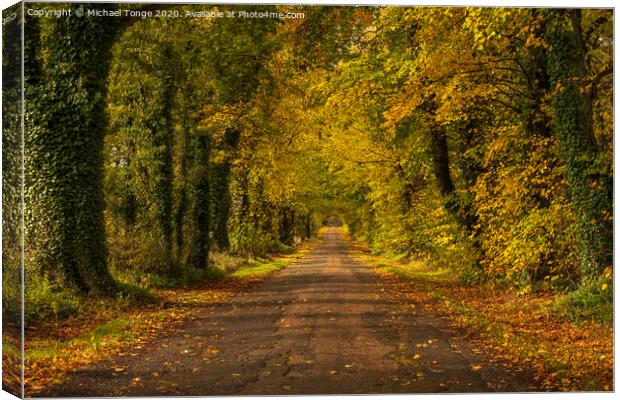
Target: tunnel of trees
475	139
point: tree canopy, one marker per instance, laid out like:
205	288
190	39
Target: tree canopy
477	139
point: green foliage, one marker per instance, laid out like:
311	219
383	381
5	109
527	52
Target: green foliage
140	180
593	300
199	212
43	301
249	240
220	178
134	294
135	284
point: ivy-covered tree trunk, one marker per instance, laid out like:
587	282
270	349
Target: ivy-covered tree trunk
287	225
127	201
537	75
470	167
182	195
244	203
12	147
221	189
200	213
160	129
590	189
308	226
441	161
221	203
66	121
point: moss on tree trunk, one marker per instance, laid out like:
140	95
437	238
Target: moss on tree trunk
590	189
66	121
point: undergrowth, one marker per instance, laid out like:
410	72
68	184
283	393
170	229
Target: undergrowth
593	300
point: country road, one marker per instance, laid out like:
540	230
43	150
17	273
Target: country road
326	325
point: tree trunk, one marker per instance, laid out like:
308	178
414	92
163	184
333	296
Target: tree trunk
441	160
200	213
456	206
287	221
188	123
66	121
221	190
221	204
308	225
591	191
12	148
161	131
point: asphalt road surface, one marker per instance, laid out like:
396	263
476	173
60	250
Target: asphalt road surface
326	325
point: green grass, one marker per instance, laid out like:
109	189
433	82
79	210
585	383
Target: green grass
417	271
10	348
259	269
590	301
117	329
263	266
134	293
134	280
43	352
44	302
114	329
